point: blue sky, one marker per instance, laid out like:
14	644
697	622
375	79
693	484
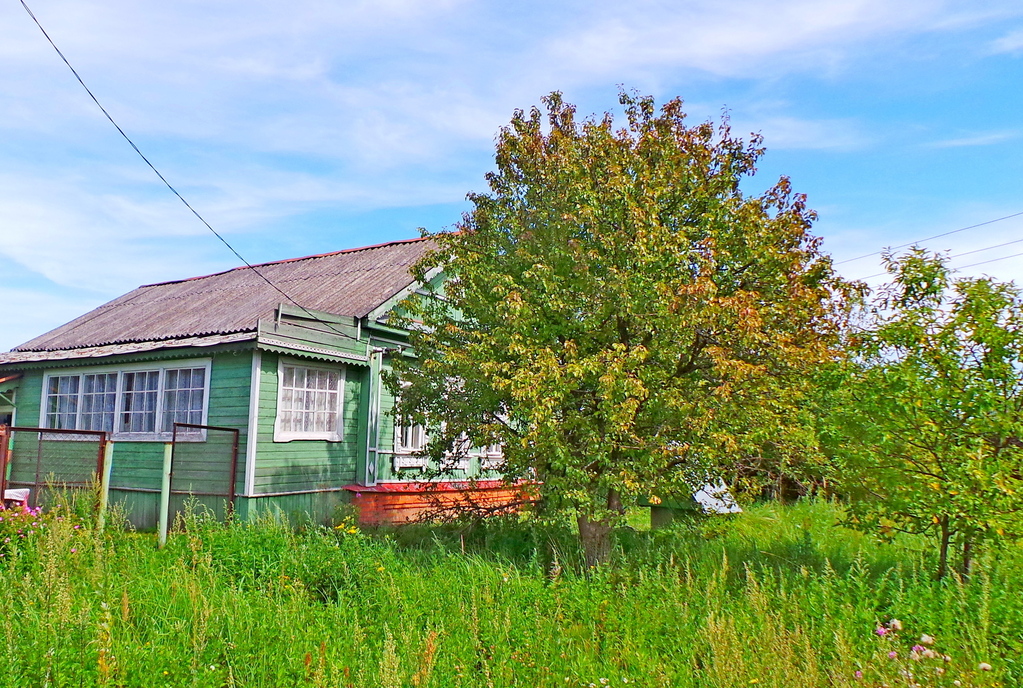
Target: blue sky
305	127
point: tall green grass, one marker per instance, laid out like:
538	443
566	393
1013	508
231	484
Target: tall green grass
779	596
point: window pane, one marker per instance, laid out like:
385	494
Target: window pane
99	394
183	394
62	402
138	401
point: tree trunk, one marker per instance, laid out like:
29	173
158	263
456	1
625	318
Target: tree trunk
946	536
595	535
967	553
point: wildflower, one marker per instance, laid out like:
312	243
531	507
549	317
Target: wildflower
939	670
881	631
957	682
73	550
984	666
603	681
926	639
918	648
858	674
929	653
895	625
914	655
893	654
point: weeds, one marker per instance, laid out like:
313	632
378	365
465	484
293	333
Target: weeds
779	596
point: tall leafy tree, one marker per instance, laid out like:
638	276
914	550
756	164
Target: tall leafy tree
930	415
618	313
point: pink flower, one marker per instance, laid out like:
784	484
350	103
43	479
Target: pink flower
893	654
881	631
858	674
918	648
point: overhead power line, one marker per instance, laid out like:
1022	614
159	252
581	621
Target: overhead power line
985	262
936	236
966	253
168	184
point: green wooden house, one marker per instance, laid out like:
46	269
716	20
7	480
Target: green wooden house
299	377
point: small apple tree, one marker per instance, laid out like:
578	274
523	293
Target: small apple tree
930	429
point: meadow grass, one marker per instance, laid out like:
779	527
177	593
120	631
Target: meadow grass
778	596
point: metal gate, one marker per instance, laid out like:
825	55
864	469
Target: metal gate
44	459
204	468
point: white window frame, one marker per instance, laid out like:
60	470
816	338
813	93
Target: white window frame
334	435
491	457
120	370
408	456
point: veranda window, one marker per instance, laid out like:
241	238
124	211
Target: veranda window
183	395
410	439
134	403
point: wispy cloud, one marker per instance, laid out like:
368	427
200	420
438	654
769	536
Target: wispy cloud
1009	43
743	38
986	139
793	133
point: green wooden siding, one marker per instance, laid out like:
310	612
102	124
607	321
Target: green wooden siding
30	396
303	465
138	465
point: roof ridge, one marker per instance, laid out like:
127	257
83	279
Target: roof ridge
286	260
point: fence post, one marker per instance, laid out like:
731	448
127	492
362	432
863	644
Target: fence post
168	450
104	485
3	459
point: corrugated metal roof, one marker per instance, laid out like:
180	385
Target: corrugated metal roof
123	348
351	282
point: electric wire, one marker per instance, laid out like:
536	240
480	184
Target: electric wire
168	184
960	255
936	236
985	262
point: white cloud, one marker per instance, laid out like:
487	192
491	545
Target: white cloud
1009	43
986	139
793	133
743	38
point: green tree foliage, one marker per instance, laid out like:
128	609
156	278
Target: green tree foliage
619	314
931	419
